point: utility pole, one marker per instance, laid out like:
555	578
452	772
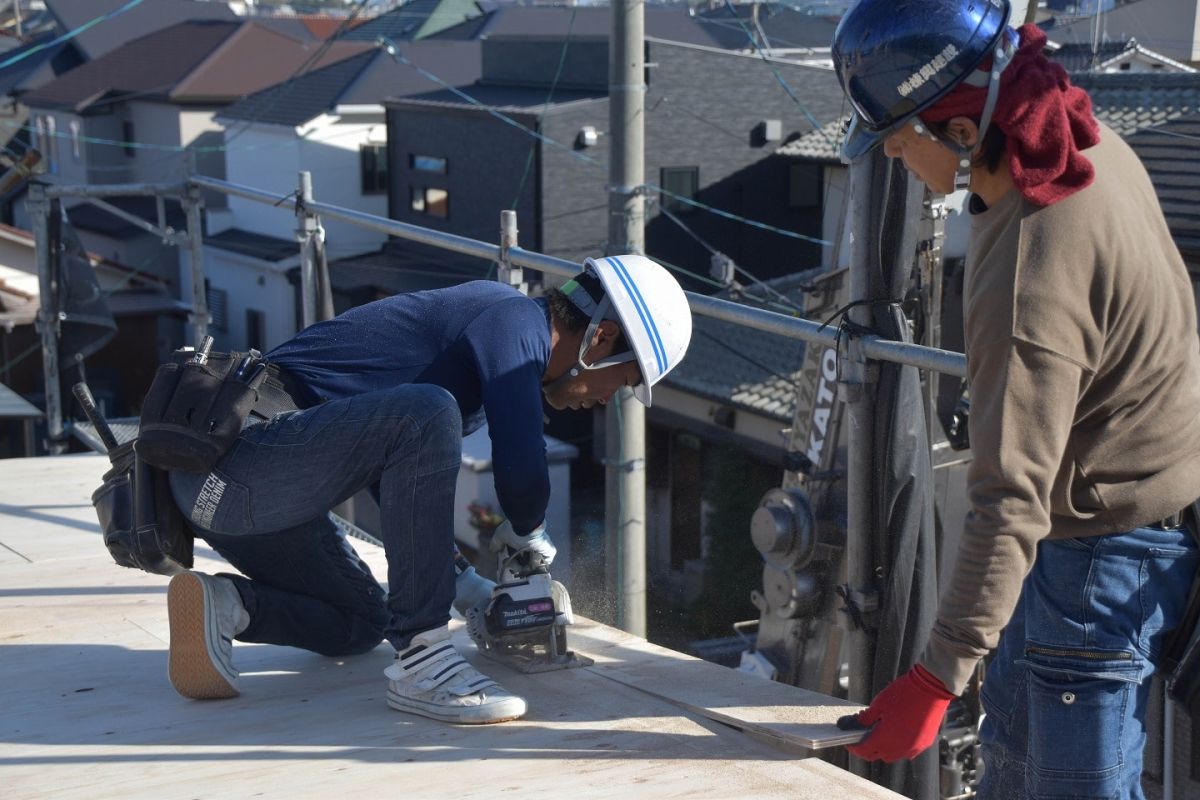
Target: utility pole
625	451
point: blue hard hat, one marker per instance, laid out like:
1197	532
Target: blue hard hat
896	58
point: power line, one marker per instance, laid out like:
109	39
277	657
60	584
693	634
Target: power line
283	90
70	34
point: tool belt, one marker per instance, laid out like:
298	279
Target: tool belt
141	525
1181	651
191	416
200	401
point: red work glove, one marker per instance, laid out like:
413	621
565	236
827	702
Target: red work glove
904	718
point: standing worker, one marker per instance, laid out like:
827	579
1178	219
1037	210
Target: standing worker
386	390
1084	369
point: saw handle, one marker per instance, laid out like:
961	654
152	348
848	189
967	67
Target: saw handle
88	403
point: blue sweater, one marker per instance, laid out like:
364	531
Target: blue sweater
485	343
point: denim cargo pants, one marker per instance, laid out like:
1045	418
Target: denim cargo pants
264	507
1065	693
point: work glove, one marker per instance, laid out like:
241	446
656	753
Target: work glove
904	718
471	590
523	555
472	595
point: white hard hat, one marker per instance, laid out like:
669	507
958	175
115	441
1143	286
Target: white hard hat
653	312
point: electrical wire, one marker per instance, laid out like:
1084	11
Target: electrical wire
284	89
8	62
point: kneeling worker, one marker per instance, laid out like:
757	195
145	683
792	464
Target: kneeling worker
386	391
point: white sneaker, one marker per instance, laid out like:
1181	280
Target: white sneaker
205	613
430	678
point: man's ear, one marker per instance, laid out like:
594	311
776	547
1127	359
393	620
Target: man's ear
963	130
606	331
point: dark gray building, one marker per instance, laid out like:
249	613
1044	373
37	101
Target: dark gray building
714	119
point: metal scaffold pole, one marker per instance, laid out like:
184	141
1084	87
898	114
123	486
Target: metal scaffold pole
307	226
625	485
855	382
193	205
40	207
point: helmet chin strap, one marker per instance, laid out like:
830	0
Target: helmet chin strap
1006	48
585	343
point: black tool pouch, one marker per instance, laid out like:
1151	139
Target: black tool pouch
141	525
1181	651
194	412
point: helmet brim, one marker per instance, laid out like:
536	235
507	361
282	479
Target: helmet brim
859	141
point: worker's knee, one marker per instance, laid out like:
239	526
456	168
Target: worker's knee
362	636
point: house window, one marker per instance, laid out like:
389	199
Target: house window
804	185
433	164
432	201
127	135
256	329
76	151
372	160
218	307
679	182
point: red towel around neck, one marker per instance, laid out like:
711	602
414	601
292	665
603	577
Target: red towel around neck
1046	119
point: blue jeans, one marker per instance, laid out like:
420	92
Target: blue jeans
264	506
1065	693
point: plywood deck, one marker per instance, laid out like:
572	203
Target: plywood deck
86	710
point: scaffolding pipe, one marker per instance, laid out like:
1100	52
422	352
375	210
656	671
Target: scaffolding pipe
769	321
858	393
193	205
39	208
306	230
114	189
507	272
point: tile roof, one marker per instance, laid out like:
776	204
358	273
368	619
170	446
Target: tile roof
1171	153
149	66
671	23
745	368
820	145
1082	56
191	62
363	79
783	26
415	19
27	73
138	21
1130	101
507	99
1126	21
255	245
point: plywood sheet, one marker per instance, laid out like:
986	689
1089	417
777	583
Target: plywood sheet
86	710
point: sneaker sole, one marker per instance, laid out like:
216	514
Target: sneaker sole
504	711
192	666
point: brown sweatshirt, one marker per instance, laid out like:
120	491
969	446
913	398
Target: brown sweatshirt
1084	368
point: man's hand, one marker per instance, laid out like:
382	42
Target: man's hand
526	554
904	718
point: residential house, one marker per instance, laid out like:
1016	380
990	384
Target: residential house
144	18
674	23
713	121
330	122
415	20
137	113
783	30
1112	56
1169	27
